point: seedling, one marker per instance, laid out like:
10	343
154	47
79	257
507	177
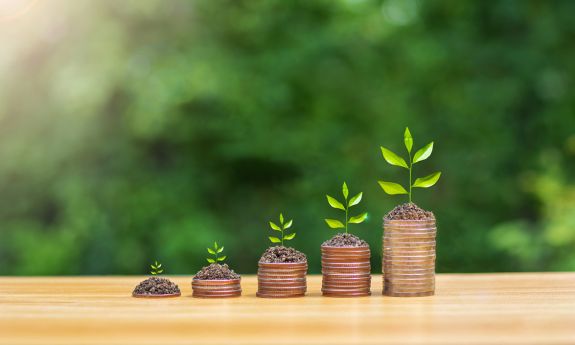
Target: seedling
422	154
345	206
215	251
156	268
281	228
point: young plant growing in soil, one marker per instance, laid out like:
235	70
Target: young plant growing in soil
345	206
156	268
422	154
215	251
281	228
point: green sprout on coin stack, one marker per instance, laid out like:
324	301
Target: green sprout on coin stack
281	228
156	268
215	251
392	188
345	206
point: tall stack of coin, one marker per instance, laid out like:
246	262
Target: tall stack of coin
346	271
409	257
216	288
282	279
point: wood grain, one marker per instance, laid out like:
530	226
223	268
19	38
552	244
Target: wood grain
532	308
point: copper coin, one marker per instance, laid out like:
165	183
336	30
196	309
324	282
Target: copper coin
279	295
219	282
416	294
168	295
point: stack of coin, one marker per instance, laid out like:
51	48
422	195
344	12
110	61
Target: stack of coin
409	257
346	271
217	288
282	279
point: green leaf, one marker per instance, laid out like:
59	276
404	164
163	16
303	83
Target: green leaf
289	237
392	188
160	271
154	273
152	267
281	218
274	239
211	251
222	258
334	203
288	224
211	261
358	219
408	139
274	226
345	191
215	245
393	159
220	250
427	181
355	200
334	223
158	265
423	153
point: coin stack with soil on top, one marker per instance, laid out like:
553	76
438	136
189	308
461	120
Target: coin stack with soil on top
409	252
282	270
346	267
216	280
282	273
156	287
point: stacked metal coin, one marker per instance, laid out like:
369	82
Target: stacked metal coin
216	288
346	271
409	257
282	280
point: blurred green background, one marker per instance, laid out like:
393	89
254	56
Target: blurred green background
137	130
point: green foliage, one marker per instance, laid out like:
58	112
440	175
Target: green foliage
215	251
281	228
345	206
392	188
156	268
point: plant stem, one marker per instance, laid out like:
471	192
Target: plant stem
282	236
410	168
346	219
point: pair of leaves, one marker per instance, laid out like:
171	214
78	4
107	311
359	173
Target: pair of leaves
392	188
285	238
336	224
217	259
156	268
421	155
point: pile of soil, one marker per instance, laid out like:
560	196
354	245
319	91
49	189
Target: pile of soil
345	240
282	254
215	272
156	286
409	211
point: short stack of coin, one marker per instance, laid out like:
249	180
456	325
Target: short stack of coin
282	279
409	257
346	271
217	288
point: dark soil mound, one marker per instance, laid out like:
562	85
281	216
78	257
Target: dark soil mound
345	240
282	254
216	271
156	286
409	211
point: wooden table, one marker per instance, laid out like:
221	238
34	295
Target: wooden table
532	308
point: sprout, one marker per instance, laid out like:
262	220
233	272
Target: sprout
156	268
422	154
215	251
336	224
281	228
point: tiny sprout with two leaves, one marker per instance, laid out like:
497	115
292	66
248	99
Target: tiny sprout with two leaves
392	188
215	251
336	224
281	228
156	268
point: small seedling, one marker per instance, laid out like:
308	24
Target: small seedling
215	251
281	228
156	268
336	224
422	154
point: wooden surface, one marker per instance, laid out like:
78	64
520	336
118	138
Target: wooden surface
534	308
